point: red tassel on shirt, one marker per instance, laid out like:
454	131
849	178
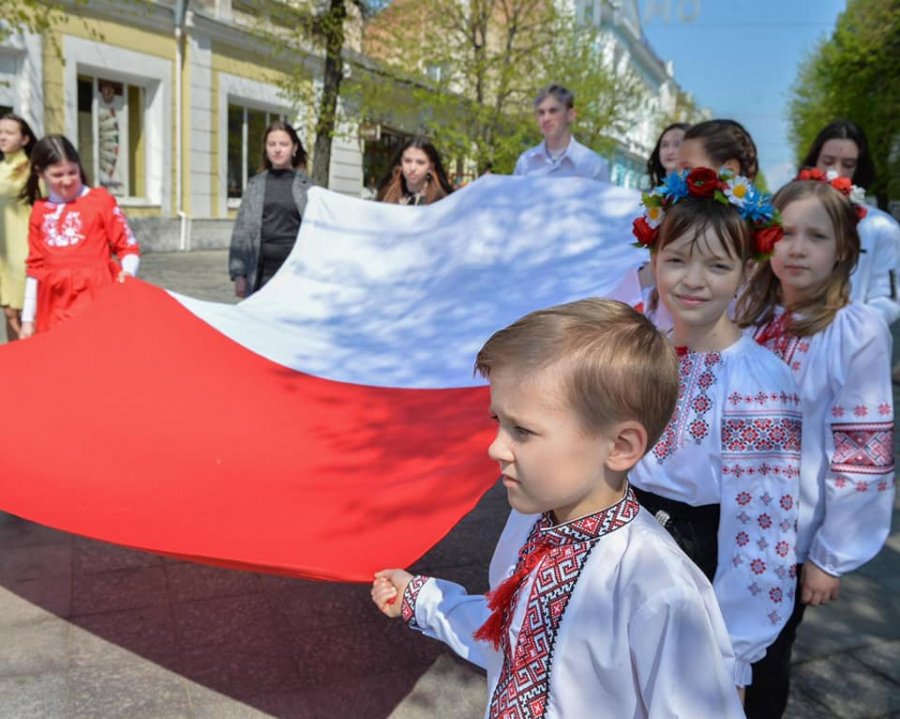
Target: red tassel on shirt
500	598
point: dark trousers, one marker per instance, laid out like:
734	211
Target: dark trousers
695	529
767	696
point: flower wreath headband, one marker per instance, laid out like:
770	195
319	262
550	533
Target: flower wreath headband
854	193
725	187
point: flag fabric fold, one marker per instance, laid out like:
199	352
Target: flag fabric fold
327	426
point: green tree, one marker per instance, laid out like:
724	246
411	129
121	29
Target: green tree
31	15
473	68
855	74
289	27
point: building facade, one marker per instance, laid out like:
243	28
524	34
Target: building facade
167	102
625	49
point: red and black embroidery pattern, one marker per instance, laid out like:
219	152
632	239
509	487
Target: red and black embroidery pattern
689	419
774	336
863	448
523	688
408	605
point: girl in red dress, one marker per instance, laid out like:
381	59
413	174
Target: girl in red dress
72	237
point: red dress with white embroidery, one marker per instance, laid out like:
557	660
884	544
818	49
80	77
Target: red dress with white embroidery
70	252
847	468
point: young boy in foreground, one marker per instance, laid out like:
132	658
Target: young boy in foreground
593	609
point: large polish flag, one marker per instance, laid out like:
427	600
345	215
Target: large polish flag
328	426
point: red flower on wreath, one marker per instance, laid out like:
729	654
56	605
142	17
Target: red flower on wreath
766	238
645	234
842	185
702	182
811	173
861	212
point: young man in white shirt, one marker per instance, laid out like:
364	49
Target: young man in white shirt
559	155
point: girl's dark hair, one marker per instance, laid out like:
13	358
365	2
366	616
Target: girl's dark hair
298	158
864	174
655	170
393	185
25	129
757	302
48	151
725	140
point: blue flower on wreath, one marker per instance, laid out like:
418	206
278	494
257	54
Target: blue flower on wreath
674	186
758	207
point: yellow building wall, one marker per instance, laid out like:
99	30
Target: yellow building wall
123	34
111	33
239	63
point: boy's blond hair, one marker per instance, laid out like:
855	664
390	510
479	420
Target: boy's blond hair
614	364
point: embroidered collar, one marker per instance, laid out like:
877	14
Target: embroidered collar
592	526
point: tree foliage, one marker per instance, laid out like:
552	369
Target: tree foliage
30	15
855	74
473	69
289	27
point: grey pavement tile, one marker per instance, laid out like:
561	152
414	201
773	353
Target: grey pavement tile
35	696
240	673
201	274
199	581
90	650
118	590
314	606
148	632
850	689
224	708
90	556
240	622
374	697
803	706
18	532
129	688
450	687
352	653
37	647
208	703
882	657
18	564
35	599
853	621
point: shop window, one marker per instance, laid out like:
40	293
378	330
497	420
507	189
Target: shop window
246	127
111	138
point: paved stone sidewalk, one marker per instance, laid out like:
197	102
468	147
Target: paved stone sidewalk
92	630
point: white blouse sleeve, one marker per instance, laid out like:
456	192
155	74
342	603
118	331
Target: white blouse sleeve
859	480
880	238
29	310
443	610
755	577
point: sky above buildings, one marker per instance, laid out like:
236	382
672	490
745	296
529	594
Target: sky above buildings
739	58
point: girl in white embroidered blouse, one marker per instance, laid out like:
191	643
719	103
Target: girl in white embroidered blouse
797	304
723	478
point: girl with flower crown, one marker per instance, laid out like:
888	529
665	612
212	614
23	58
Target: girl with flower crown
798	305
842	148
723	478
715	143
